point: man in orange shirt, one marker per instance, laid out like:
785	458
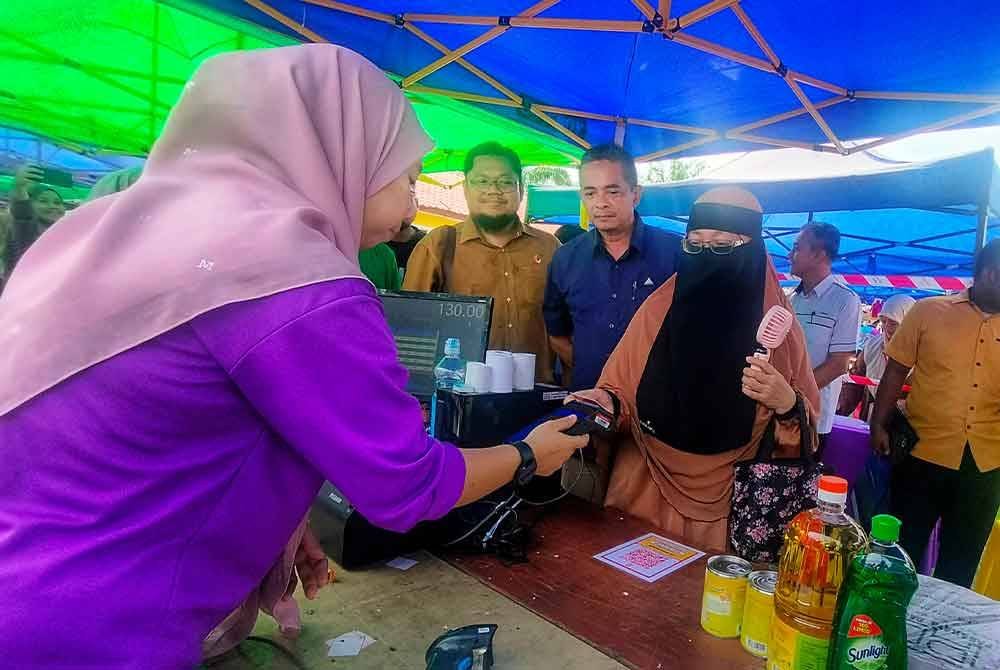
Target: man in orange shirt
952	344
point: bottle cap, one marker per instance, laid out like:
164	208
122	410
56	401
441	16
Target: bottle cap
832	489
885	528
452	347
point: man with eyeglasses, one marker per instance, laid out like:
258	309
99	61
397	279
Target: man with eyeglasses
830	314
598	281
492	253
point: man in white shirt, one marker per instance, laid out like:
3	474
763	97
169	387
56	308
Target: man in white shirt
830	314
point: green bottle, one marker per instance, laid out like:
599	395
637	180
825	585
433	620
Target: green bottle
869	627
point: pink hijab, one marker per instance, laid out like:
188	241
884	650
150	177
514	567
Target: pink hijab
257	185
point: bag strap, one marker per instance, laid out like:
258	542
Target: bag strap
769	441
449	243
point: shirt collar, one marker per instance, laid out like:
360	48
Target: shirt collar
963	296
820	289
636	242
467	230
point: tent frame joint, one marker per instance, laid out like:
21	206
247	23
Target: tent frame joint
781	69
648	26
503	21
399	21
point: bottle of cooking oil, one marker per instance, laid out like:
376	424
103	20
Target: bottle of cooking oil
819	546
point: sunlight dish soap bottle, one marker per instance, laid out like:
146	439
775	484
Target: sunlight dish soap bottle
819	546
869	629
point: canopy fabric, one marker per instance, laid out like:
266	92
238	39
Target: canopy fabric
895	218
102	76
706	77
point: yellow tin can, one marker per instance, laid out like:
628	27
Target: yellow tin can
725	594
758	612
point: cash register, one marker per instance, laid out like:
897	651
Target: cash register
420	323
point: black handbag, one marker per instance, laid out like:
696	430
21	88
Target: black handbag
769	492
902	437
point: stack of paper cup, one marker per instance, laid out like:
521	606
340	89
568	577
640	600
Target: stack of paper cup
477	377
524	372
501	365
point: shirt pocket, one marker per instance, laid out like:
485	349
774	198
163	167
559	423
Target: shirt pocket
529	284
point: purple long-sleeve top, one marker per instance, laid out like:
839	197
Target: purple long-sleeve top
142	499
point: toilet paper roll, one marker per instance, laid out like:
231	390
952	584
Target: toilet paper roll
477	377
524	372
501	364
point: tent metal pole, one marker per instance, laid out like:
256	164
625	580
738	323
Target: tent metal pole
573	112
286	21
928	97
353	9
664	9
646	9
788	144
420	34
467	97
488	36
940	125
777	118
92	67
620	127
981	227
80	67
779	67
695	130
680	147
558	126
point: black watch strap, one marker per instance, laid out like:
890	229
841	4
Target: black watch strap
526	471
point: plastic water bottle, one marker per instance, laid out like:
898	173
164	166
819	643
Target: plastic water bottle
450	370
448	373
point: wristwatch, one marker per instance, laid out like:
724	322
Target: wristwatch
526	471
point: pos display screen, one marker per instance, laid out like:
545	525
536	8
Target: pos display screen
420	324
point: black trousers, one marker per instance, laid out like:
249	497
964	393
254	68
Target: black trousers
965	500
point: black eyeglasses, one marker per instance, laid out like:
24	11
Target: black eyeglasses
717	248
503	184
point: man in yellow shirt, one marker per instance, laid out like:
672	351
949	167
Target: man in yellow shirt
952	344
492	253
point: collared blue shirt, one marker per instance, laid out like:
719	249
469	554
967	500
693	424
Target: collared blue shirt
592	298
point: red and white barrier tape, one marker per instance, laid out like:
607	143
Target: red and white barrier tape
899	281
868	381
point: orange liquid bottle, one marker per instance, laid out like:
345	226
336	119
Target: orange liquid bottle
819	546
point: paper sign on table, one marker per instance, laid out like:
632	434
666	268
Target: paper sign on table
349	644
401	563
649	557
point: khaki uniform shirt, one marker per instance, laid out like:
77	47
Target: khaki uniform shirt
954	350
513	275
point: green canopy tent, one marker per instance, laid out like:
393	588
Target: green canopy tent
102	76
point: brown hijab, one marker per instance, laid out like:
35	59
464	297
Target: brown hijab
688	494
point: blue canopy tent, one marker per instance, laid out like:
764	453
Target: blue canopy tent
670	78
896	219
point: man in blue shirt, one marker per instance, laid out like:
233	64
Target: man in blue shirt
597	281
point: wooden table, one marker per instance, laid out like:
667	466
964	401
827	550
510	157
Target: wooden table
654	626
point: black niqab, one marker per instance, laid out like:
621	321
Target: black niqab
690	395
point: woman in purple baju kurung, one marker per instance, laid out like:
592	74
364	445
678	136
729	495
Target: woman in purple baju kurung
183	363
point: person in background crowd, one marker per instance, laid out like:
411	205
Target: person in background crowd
31	209
379	265
114	182
830	314
952	345
569	232
689	405
404	243
231	360
873	358
598	282
492	253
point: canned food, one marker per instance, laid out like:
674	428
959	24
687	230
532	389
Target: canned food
758	612
725	595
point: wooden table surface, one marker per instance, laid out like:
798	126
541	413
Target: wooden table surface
654	626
